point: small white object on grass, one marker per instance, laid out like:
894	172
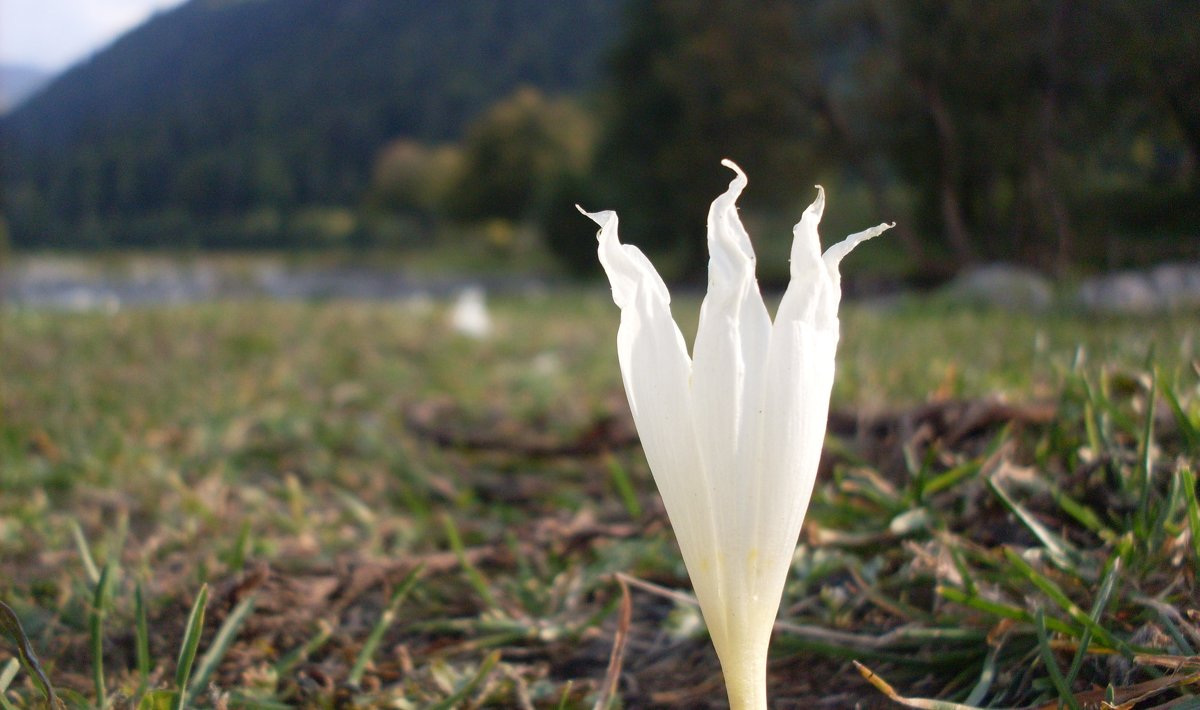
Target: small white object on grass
469	315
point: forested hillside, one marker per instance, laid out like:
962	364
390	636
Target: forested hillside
1051	134
224	108
17	82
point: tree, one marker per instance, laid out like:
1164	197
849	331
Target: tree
1012	123
692	83
414	178
515	152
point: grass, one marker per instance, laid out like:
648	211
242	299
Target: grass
263	505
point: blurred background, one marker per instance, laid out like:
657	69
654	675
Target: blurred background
457	136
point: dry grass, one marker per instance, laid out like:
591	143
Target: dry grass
383	513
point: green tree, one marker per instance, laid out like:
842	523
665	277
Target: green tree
414	178
692	83
1017	124
516	151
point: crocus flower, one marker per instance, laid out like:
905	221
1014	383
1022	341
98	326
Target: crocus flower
733	434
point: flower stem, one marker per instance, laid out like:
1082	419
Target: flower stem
747	685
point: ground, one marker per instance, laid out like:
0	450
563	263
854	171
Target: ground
373	510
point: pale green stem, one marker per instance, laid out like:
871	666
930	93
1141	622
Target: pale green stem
744	664
747	684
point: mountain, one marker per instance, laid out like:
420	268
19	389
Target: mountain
18	82
222	107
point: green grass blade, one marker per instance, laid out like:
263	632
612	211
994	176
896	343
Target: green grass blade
624	486
1056	677
960	564
987	606
381	626
1048	587
10	625
142	637
298	654
1164	511
456	699
1083	515
1061	553
158	700
1188	430
951	478
1145	467
85	554
474	577
1193	513
566	695
236	559
96	627
1117	419
1091	423
1112	570
1000	609
987	674
187	650
1172	629
220	645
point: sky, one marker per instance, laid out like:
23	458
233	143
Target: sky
54	34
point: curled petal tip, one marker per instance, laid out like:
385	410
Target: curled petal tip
818	205
737	184
835	253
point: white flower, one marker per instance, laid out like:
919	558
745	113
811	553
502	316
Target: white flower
733	434
469	315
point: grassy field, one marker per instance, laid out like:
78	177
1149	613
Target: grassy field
268	505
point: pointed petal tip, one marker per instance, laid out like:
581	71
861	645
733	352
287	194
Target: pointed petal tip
817	208
834	254
601	218
811	216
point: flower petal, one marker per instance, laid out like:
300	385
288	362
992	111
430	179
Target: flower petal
657	373
727	388
734	434
800	369
834	254
734	329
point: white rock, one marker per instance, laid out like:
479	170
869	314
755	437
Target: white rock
1164	288
1002	286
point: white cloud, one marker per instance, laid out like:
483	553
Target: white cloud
53	34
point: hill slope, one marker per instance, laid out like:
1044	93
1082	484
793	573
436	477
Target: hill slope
222	106
18	82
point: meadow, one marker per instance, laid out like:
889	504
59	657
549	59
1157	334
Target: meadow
348	504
